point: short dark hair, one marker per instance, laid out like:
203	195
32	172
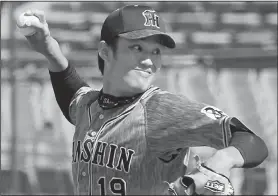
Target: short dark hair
113	44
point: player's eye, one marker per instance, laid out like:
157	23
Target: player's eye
157	51
136	48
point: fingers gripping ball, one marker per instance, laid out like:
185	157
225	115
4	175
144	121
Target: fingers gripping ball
24	24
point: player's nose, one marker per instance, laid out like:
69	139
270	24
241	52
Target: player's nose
147	62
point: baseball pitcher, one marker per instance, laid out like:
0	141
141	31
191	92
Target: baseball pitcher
132	138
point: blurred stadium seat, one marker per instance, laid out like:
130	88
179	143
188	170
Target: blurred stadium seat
24	186
255	182
68	183
192	83
204	24
54	181
263	85
234	84
194	25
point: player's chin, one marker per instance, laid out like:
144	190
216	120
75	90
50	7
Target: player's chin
139	83
139	86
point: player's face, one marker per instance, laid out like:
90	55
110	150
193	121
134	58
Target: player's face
134	64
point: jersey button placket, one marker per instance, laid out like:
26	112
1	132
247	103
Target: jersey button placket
101	116
92	134
83	184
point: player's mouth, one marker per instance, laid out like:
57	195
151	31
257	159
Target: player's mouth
144	73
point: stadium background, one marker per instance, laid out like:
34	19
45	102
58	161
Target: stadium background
226	56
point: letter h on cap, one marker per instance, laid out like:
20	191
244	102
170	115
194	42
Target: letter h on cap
151	19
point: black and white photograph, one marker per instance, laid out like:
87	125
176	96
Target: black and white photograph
138	98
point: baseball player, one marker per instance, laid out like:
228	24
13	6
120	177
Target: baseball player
132	138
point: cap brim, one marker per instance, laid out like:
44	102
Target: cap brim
166	39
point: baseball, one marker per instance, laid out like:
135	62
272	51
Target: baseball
24	22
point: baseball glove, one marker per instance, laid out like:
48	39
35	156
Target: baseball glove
212	183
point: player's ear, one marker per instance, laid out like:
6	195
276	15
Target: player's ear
103	50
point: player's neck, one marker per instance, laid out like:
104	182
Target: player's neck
115	91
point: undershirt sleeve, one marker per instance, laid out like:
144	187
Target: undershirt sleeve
65	84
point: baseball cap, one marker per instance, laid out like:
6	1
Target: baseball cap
136	22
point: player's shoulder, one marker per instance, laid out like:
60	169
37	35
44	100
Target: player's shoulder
86	95
164	103
170	101
167	107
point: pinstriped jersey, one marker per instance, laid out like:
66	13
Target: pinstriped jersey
135	148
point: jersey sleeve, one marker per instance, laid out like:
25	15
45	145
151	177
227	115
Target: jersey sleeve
65	84
174	121
80	99
71	92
